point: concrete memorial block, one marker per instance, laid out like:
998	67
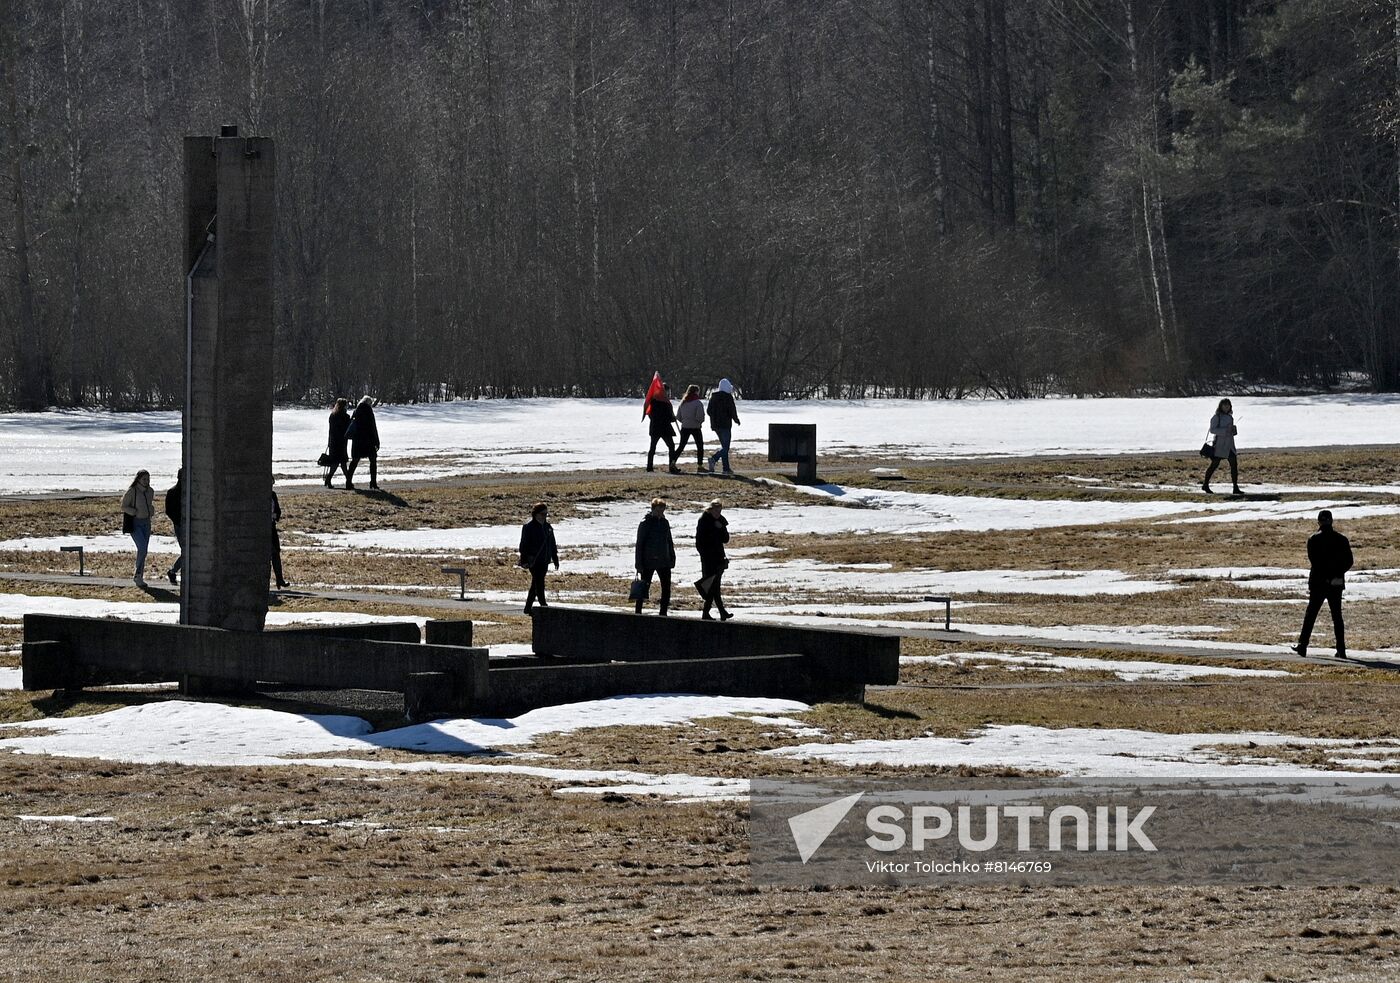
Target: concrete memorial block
447	632
230	210
795	443
839	658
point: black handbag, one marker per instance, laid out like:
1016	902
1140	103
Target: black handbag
1208	449
324	460
639	590
128	522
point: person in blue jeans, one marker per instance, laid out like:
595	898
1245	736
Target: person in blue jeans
139	503
724	416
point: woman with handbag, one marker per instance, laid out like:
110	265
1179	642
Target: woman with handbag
364	442
138	505
337	455
711	533
1223	432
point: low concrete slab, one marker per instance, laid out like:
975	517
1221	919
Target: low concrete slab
581	635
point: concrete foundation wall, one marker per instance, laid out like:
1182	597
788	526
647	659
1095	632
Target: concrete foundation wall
602	636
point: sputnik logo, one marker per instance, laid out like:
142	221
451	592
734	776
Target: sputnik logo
810	829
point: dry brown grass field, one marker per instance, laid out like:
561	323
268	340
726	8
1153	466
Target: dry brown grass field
305	873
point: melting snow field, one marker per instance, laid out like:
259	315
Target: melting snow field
1127	670
94	451
1106	753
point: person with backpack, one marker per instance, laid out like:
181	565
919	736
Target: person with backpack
656	552
138	506
537	551
175	510
692	416
711	533
724	416
364	442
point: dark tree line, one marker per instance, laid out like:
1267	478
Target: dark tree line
903	197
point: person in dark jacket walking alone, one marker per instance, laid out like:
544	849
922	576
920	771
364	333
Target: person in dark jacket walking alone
277	544
336	440
662	417
175	511
711	533
364	442
692	416
537	551
1329	558
656	552
724	416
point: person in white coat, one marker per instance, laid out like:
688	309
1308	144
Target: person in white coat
1223	432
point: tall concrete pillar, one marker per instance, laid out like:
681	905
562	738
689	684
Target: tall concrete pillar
229	208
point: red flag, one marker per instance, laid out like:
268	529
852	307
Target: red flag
653	391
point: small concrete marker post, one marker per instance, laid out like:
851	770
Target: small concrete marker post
461	573
795	443
82	571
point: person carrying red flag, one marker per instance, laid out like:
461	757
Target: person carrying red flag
663	417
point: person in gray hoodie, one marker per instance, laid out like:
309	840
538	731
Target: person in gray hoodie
724	416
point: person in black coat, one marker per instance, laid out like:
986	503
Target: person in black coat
336	441
663	416
1329	556
656	552
711	533
175	509
364	442
277	543
537	551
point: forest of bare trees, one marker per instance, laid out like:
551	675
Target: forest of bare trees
902	197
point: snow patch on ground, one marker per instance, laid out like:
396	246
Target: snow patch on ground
1132	671
1078	751
11	678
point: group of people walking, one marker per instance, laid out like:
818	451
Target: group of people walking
1329	552
654	557
139	508
721	411
352	438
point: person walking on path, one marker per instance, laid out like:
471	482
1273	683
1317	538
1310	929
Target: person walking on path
656	552
1223	430
537	551
692	418
277	544
1329	558
138	505
724	416
336	441
662	417
711	533
364	442
175	509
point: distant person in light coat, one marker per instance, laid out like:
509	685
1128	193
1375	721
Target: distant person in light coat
139	502
724	416
656	552
1329	558
1223	430
692	418
537	551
